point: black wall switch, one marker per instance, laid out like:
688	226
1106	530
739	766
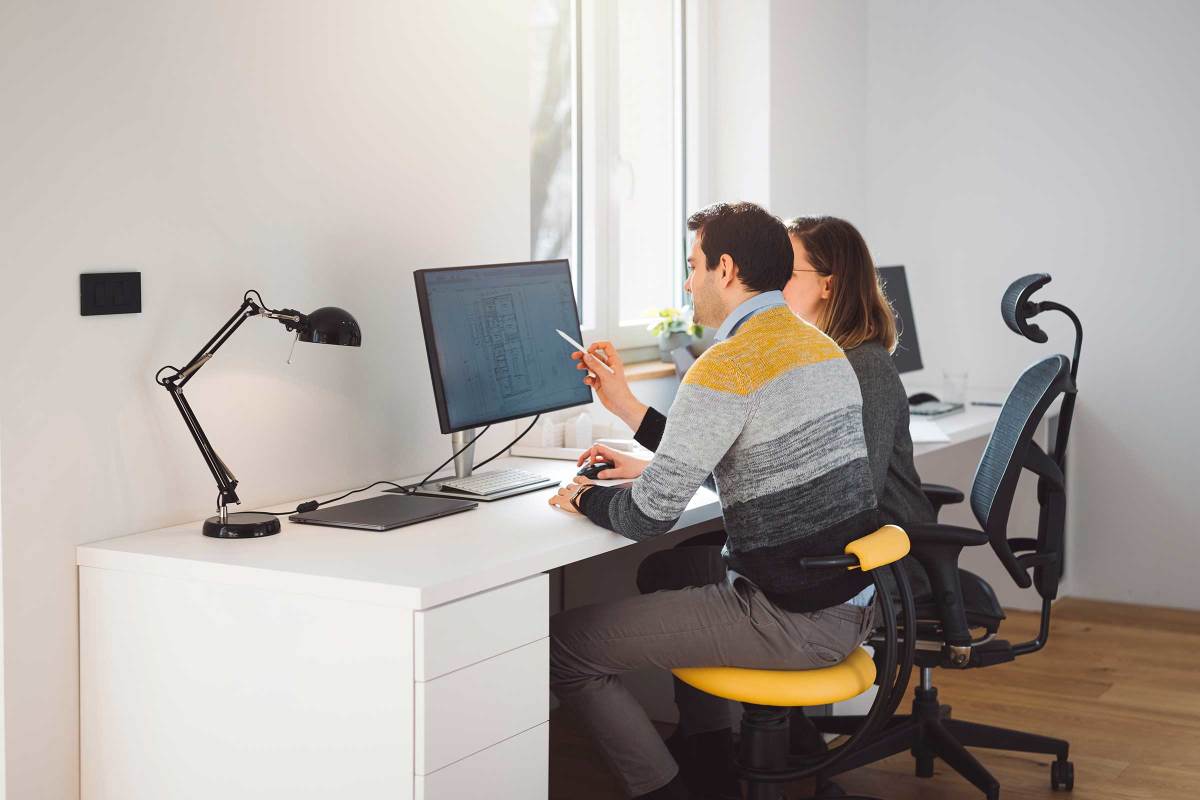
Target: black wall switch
110	293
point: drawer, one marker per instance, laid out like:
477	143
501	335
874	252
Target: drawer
472	709
515	769
456	635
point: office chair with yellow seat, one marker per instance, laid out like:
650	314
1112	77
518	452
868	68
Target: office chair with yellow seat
956	602
767	696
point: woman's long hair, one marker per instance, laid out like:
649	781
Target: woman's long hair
857	310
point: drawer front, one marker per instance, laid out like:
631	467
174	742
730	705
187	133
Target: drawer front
473	629
515	769
472	709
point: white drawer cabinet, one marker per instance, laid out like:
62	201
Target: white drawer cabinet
477	706
515	769
473	629
482	672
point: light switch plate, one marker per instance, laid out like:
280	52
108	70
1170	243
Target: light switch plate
110	293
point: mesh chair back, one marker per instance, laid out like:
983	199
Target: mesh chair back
1010	449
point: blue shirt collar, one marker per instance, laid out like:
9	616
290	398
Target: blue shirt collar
750	307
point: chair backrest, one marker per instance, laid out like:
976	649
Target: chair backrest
1012	449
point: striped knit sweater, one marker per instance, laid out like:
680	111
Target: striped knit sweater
775	414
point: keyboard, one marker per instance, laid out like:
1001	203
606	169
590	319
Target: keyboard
495	482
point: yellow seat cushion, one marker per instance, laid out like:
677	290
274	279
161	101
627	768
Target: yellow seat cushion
770	687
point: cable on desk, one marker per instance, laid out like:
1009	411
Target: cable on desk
506	447
313	505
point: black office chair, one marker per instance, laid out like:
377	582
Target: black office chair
956	603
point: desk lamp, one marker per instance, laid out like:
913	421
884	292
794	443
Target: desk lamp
326	325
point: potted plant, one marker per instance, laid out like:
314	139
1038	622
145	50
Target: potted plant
674	328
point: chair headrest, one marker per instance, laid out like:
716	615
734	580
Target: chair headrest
1017	309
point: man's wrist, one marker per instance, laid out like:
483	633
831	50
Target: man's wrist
633	413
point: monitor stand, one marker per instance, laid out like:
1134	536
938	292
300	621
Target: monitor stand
463	469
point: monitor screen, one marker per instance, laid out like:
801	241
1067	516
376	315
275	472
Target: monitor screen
493	351
907	355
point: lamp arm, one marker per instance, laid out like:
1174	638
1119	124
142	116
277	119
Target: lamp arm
226	480
174	383
247	309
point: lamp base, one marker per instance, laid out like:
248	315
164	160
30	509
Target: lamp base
242	525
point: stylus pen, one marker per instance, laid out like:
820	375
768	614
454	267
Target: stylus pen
583	349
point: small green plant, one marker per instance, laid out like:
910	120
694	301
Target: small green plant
673	320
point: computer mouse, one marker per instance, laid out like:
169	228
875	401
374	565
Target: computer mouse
593	468
921	397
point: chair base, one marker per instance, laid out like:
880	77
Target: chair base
929	733
763	748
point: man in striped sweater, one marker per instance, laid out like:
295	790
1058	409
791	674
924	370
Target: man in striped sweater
773	411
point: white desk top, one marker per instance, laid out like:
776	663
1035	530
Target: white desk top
972	422
421	565
416	567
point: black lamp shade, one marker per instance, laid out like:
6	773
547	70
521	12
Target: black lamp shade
330	325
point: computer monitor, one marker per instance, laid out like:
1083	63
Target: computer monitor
490	336
907	356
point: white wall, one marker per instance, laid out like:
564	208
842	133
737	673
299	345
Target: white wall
316	151
783	104
735	99
1004	139
976	142
818	82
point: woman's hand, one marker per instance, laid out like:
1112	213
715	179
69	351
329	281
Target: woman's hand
563	498
620	465
611	387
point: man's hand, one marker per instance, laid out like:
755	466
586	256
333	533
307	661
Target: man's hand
611	387
620	465
563	497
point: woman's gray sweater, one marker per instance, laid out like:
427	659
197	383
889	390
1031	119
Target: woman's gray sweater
889	445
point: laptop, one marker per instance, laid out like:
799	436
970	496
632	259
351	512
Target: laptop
384	513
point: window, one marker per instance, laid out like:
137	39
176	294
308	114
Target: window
608	168
553	165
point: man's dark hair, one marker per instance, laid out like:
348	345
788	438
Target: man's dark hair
755	239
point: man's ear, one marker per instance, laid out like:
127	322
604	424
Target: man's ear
727	271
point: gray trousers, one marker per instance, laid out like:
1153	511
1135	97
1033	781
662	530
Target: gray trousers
697	619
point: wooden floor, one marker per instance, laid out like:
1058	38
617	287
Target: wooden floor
1121	683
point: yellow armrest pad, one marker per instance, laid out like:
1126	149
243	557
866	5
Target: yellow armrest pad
878	549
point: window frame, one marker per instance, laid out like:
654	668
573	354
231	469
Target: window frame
597	276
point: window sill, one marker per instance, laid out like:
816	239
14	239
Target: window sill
648	370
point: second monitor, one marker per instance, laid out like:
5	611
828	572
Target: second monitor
907	355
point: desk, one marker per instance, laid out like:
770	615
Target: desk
972	423
325	662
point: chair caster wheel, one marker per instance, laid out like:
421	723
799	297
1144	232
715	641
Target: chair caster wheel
1062	775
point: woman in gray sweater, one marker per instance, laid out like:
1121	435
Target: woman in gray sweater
835	287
